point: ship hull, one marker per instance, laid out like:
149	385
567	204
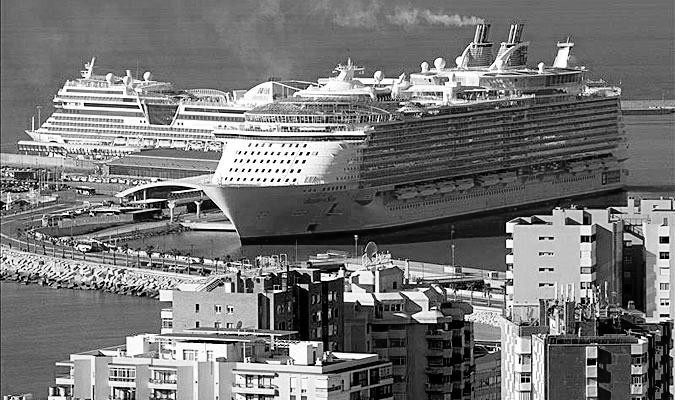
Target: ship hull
261	212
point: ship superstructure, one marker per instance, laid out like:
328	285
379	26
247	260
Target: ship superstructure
355	154
109	114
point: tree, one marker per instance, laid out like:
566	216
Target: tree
125	249
148	250
216	263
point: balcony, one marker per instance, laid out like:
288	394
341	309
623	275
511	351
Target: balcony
509	259
591	391
639	369
591	371
638	389
509	274
166	313
524	387
437	387
436	369
509	243
250	388
65	379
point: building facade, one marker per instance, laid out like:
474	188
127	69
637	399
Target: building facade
427	339
566	350
300	299
581	248
221	365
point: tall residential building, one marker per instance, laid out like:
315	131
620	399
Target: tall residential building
567	350
303	300
234	365
650	269
427	339
630	251
578	247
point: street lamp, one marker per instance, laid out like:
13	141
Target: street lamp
356	246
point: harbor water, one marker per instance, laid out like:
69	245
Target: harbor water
233	45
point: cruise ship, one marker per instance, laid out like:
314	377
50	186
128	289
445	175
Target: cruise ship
107	115
352	154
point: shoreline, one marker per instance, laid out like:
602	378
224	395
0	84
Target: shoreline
59	273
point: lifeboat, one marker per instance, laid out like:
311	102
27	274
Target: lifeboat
120	141
465	184
134	142
508	177
428	190
489	180
178	144
577	167
447	188
164	143
148	142
406	194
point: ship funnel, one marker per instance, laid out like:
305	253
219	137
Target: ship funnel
482	33
515	33
479	52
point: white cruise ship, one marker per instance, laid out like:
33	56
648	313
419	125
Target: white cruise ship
354	154
106	115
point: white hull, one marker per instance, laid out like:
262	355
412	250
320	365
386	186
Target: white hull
266	211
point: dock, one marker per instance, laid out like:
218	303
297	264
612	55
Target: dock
647	107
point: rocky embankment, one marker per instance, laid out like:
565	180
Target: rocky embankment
61	273
487	317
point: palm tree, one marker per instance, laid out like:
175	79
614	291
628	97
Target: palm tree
216	263
125	248
148	250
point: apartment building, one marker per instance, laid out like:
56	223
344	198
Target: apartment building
251	365
303	300
628	251
567	350
426	338
582	248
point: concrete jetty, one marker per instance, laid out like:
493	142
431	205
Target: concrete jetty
72	274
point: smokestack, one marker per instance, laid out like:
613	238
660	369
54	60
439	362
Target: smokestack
479	33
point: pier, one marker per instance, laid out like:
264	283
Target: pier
647	107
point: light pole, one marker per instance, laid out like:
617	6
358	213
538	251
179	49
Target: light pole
356	246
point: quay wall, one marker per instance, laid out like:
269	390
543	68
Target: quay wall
31	161
28	268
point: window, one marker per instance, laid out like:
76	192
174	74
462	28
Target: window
546	238
545	284
398	360
218	309
587	238
189	355
525	377
122	374
196	308
665	302
545	254
546	269
396	342
217	324
229	325
230	309
664	255
196	324
664	286
664	239
591	361
209	355
167	323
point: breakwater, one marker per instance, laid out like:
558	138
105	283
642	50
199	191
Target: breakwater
72	274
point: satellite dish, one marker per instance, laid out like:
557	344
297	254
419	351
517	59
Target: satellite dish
147	76
370	250
425	67
109	78
378	76
439	63
239	324
127	80
540	66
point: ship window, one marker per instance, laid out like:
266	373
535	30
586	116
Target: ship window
161	114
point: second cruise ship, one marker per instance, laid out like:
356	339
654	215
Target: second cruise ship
353	154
